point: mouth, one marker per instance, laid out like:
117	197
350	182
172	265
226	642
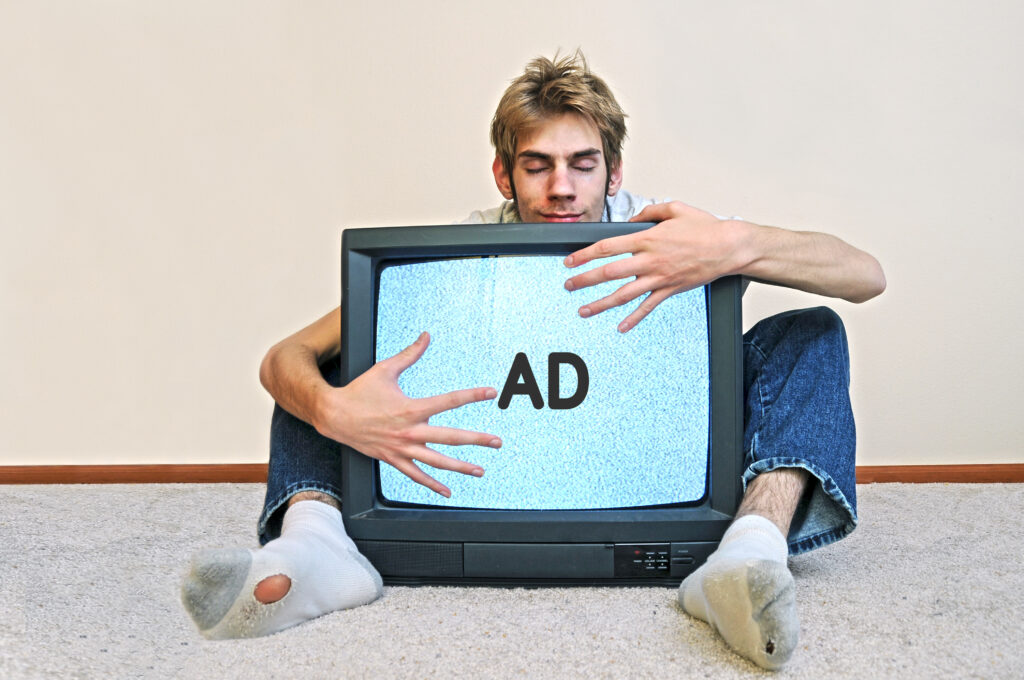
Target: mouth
562	217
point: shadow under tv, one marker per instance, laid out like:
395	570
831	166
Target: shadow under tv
563	541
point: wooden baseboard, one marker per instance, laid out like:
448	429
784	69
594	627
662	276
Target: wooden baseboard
257	473
1005	473
133	474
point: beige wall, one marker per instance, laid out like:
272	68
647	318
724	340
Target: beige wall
174	178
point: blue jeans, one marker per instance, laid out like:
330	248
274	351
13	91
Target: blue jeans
796	386
797	414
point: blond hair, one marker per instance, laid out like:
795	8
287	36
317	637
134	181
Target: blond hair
550	87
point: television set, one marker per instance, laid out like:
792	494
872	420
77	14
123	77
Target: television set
622	452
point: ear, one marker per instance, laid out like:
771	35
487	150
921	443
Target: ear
502	179
615	179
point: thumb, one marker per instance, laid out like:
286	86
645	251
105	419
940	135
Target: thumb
656	212
410	355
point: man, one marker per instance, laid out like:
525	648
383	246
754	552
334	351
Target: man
558	135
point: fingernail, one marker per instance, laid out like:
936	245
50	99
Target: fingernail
478	473
491	393
495	443
623	327
584	312
568	261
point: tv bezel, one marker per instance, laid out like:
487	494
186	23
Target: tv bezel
368	517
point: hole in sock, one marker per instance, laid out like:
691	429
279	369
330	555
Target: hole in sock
272	589
769	648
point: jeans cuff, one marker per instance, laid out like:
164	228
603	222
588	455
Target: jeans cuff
826	514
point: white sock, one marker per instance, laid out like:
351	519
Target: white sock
326	570
746	593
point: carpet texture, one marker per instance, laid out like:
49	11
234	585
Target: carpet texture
930	585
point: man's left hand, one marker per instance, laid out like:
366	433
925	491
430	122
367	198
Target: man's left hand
686	249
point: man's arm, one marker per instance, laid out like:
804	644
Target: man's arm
290	371
689	248
810	261
371	414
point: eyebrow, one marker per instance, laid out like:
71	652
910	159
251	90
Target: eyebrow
586	153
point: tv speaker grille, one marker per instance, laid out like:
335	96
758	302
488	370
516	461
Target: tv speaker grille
413	558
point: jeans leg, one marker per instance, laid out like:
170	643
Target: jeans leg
301	459
798	414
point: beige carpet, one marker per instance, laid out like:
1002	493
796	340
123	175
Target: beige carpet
931	585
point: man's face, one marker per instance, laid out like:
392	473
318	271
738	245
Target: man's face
559	172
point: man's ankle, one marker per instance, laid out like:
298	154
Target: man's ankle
315	496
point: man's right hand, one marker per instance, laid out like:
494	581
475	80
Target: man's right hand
372	415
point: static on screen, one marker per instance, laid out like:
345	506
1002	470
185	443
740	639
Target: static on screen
639	437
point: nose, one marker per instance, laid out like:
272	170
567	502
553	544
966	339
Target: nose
560	185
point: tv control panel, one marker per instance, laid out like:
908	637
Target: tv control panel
654	560
647	559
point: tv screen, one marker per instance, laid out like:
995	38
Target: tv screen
622	452
627	423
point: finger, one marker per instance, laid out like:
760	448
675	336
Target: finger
440	461
410	355
410	470
645	307
453	437
659	212
619	269
616	245
626	293
656	212
446	402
